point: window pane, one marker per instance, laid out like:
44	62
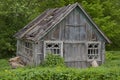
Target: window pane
93	50
53	47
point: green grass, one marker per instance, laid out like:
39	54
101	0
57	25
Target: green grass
112	60
4	64
110	70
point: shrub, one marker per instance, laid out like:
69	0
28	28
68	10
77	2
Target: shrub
60	73
112	59
52	60
113	55
109	56
4	64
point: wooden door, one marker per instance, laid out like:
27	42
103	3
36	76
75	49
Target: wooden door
75	52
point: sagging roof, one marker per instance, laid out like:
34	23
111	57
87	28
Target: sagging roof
38	28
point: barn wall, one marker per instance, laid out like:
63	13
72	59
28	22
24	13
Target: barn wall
39	54
76	27
75	52
103	52
25	53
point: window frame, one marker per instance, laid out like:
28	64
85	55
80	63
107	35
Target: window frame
59	42
26	48
98	48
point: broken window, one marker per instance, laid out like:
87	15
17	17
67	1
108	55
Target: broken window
27	48
93	50
54	47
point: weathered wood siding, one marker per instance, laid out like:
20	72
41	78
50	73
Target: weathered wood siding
75	52
39	53
74	31
103	52
25	53
74	27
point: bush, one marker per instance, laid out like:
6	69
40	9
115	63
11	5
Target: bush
112	59
109	56
109	71
60	73
52	60
4	64
113	55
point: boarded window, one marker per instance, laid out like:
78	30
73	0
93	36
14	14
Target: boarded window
93	50
54	47
27	48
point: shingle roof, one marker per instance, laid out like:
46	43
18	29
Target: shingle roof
37	28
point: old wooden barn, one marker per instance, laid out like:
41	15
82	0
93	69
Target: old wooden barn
67	31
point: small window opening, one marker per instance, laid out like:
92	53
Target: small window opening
28	48
53	47
93	51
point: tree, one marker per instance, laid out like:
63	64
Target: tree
15	14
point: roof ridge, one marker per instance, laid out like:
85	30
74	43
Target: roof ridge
49	19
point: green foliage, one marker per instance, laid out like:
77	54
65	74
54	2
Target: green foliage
109	71
4	65
109	56
112	59
15	14
52	60
60	73
113	55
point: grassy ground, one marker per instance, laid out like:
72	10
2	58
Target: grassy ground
4	65
112	60
108	71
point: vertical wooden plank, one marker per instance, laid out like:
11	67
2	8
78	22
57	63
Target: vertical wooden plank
84	64
70	29
60	31
77	16
77	64
66	28
103	51
34	55
73	63
77	22
88	32
44	49
18	47
83	52
63	25
62	49
65	52
71	33
38	54
71	55
77	52
55	32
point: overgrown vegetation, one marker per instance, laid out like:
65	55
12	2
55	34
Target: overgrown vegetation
4	65
60	73
112	59
52	60
15	14
109	71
